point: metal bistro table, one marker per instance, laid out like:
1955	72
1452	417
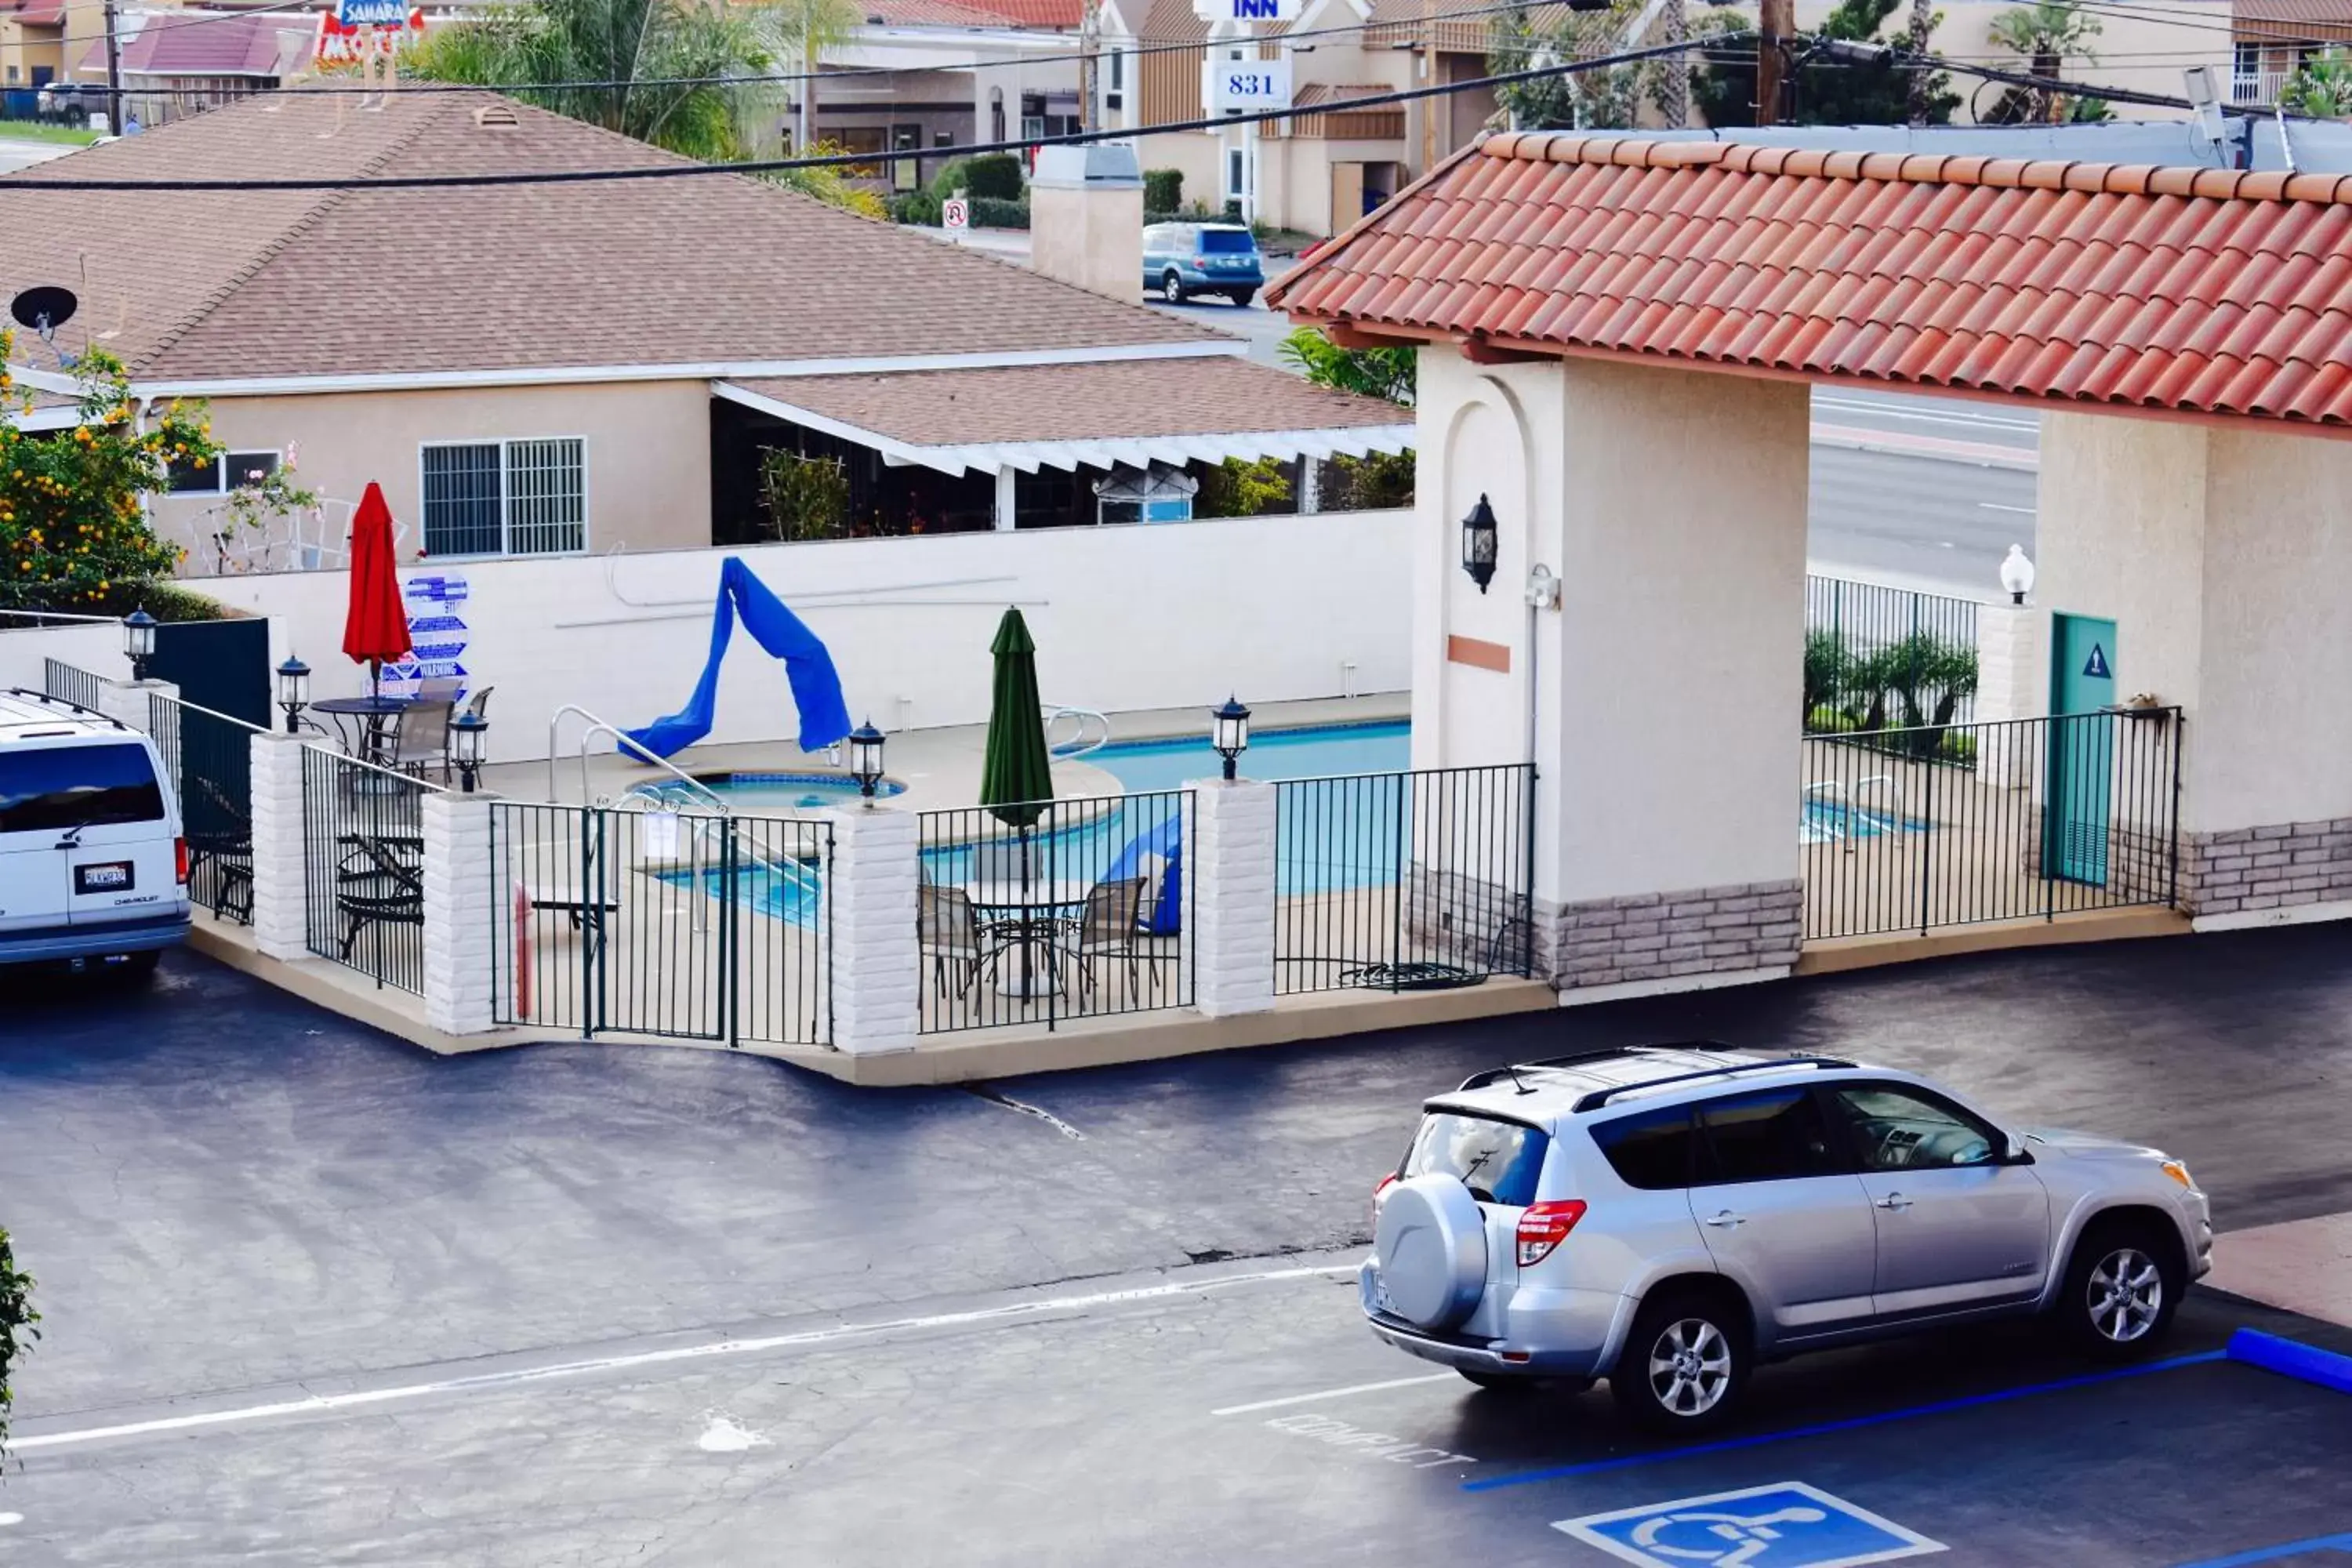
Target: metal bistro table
1036	908
379	723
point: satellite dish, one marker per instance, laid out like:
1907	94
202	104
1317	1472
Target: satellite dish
44	308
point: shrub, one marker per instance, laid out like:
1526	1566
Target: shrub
915	207
993	212
1163	191
806	498
1828	669
1153	215
989	174
1238	488
16	1320
1381	481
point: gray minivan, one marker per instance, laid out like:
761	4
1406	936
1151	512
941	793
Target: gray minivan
93	867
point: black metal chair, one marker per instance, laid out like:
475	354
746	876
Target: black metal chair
380	881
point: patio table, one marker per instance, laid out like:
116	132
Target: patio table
1036	927
379	722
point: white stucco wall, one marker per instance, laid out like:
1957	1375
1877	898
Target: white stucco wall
25	647
1125	618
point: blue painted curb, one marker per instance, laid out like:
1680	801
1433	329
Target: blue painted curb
2292	1358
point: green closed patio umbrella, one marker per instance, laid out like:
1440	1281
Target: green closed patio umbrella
1015	772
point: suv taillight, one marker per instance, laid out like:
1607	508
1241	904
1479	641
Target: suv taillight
1544	1227
1386	1183
180	858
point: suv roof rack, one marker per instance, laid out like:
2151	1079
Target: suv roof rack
75	710
1600	1097
1585	1059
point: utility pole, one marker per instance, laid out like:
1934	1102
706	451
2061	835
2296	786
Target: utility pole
1776	25
1428	106
1673	97
1090	39
113	75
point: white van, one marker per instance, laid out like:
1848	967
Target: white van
94	869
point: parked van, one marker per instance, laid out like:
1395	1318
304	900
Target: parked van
93	867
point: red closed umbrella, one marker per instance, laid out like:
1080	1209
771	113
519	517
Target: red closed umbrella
375	627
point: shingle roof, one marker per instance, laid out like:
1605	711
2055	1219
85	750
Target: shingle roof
258	43
1111	401
2194	291
711	270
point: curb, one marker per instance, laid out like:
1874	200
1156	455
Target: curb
2292	1358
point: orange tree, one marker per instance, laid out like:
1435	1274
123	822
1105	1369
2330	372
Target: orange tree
73	536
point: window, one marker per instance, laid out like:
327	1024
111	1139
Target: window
505	498
1905	1130
205	478
1227	242
1770	1135
1651	1150
52	789
1497	1161
1172	509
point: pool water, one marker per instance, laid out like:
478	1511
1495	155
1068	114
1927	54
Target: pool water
753	793
1322	752
1834	822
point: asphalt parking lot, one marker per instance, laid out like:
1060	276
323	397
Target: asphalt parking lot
316	1298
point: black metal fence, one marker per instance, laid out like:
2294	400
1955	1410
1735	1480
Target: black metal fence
210	759
71	682
363	866
1066	909
689	925
1404	882
1879	659
1959	824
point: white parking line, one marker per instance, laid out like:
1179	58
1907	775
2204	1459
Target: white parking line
1331	1394
1996	506
318	1405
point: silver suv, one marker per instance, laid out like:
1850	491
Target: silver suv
1664	1216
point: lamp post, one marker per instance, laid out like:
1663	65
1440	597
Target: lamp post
139	641
1478	544
2017	573
293	691
1229	733
866	759
469	741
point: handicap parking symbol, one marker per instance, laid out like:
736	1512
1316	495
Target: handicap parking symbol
1788	1525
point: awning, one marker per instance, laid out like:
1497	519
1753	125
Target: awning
1104	415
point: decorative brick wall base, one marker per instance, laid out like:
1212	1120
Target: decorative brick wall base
2140	866
2248	868
1722	929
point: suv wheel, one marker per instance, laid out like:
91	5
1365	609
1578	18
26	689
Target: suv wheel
2122	1286
1683	1365
1172	288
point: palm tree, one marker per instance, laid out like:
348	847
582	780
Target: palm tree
2321	86
815	26
672	58
2048	33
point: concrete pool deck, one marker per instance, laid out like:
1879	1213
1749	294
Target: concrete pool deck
939	768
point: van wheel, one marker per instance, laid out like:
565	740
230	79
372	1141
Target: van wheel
1684	1365
1241	297
2123	1284
1172	288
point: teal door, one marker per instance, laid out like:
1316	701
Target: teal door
2082	748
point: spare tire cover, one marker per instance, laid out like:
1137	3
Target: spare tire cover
1432	1244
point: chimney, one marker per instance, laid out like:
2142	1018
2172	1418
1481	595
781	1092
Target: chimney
1086	217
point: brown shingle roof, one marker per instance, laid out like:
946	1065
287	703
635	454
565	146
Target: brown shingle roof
1121	400
2189	290
711	269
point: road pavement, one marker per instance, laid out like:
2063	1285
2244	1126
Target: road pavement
16	155
580	1303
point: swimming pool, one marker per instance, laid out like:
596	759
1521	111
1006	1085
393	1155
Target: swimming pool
1319	753
783	794
1836	821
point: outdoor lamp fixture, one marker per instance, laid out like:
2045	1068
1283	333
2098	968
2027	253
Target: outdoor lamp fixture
1229	733
866	757
1478	544
293	691
469	736
2017	573
139	641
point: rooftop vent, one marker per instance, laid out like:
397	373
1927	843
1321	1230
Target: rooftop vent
496	116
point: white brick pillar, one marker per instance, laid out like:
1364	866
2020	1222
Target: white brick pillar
279	928
878	968
461	924
125	702
2012	682
1232	876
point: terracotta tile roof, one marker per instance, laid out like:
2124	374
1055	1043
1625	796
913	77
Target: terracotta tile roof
2197	291
1113	401
2289	14
1052	14
927	14
712	270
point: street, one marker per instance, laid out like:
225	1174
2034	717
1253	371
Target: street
313	1296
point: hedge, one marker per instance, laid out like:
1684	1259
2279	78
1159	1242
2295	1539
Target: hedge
915	207
990	175
989	212
1163	191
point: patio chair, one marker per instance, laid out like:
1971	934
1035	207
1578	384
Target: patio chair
441	689
422	738
1009	860
575	892
949	933
226	845
381	881
480	705
1107	928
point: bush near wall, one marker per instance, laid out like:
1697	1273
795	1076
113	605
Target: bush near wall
1163	192
915	207
989	174
993	212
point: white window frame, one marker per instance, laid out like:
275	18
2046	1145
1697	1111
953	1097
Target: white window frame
221	486
506	445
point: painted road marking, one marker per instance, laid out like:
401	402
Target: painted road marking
725	1435
2311	1548
8	1518
1011	1311
1370	1444
1331	1393
1996	506
1851	1424
1787	1525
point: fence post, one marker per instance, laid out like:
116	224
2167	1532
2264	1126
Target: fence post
1232	885
2012	682
460	914
871	900
126	703
280	912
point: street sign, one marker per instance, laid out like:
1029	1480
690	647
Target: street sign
1244	87
372	12
1248	10
956	213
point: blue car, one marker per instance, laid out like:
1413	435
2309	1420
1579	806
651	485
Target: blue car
1183	259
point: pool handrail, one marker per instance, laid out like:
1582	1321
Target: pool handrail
1087	720
621	741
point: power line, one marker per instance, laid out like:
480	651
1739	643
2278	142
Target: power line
836	160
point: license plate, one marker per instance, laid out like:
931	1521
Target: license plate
1381	1302
105	877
